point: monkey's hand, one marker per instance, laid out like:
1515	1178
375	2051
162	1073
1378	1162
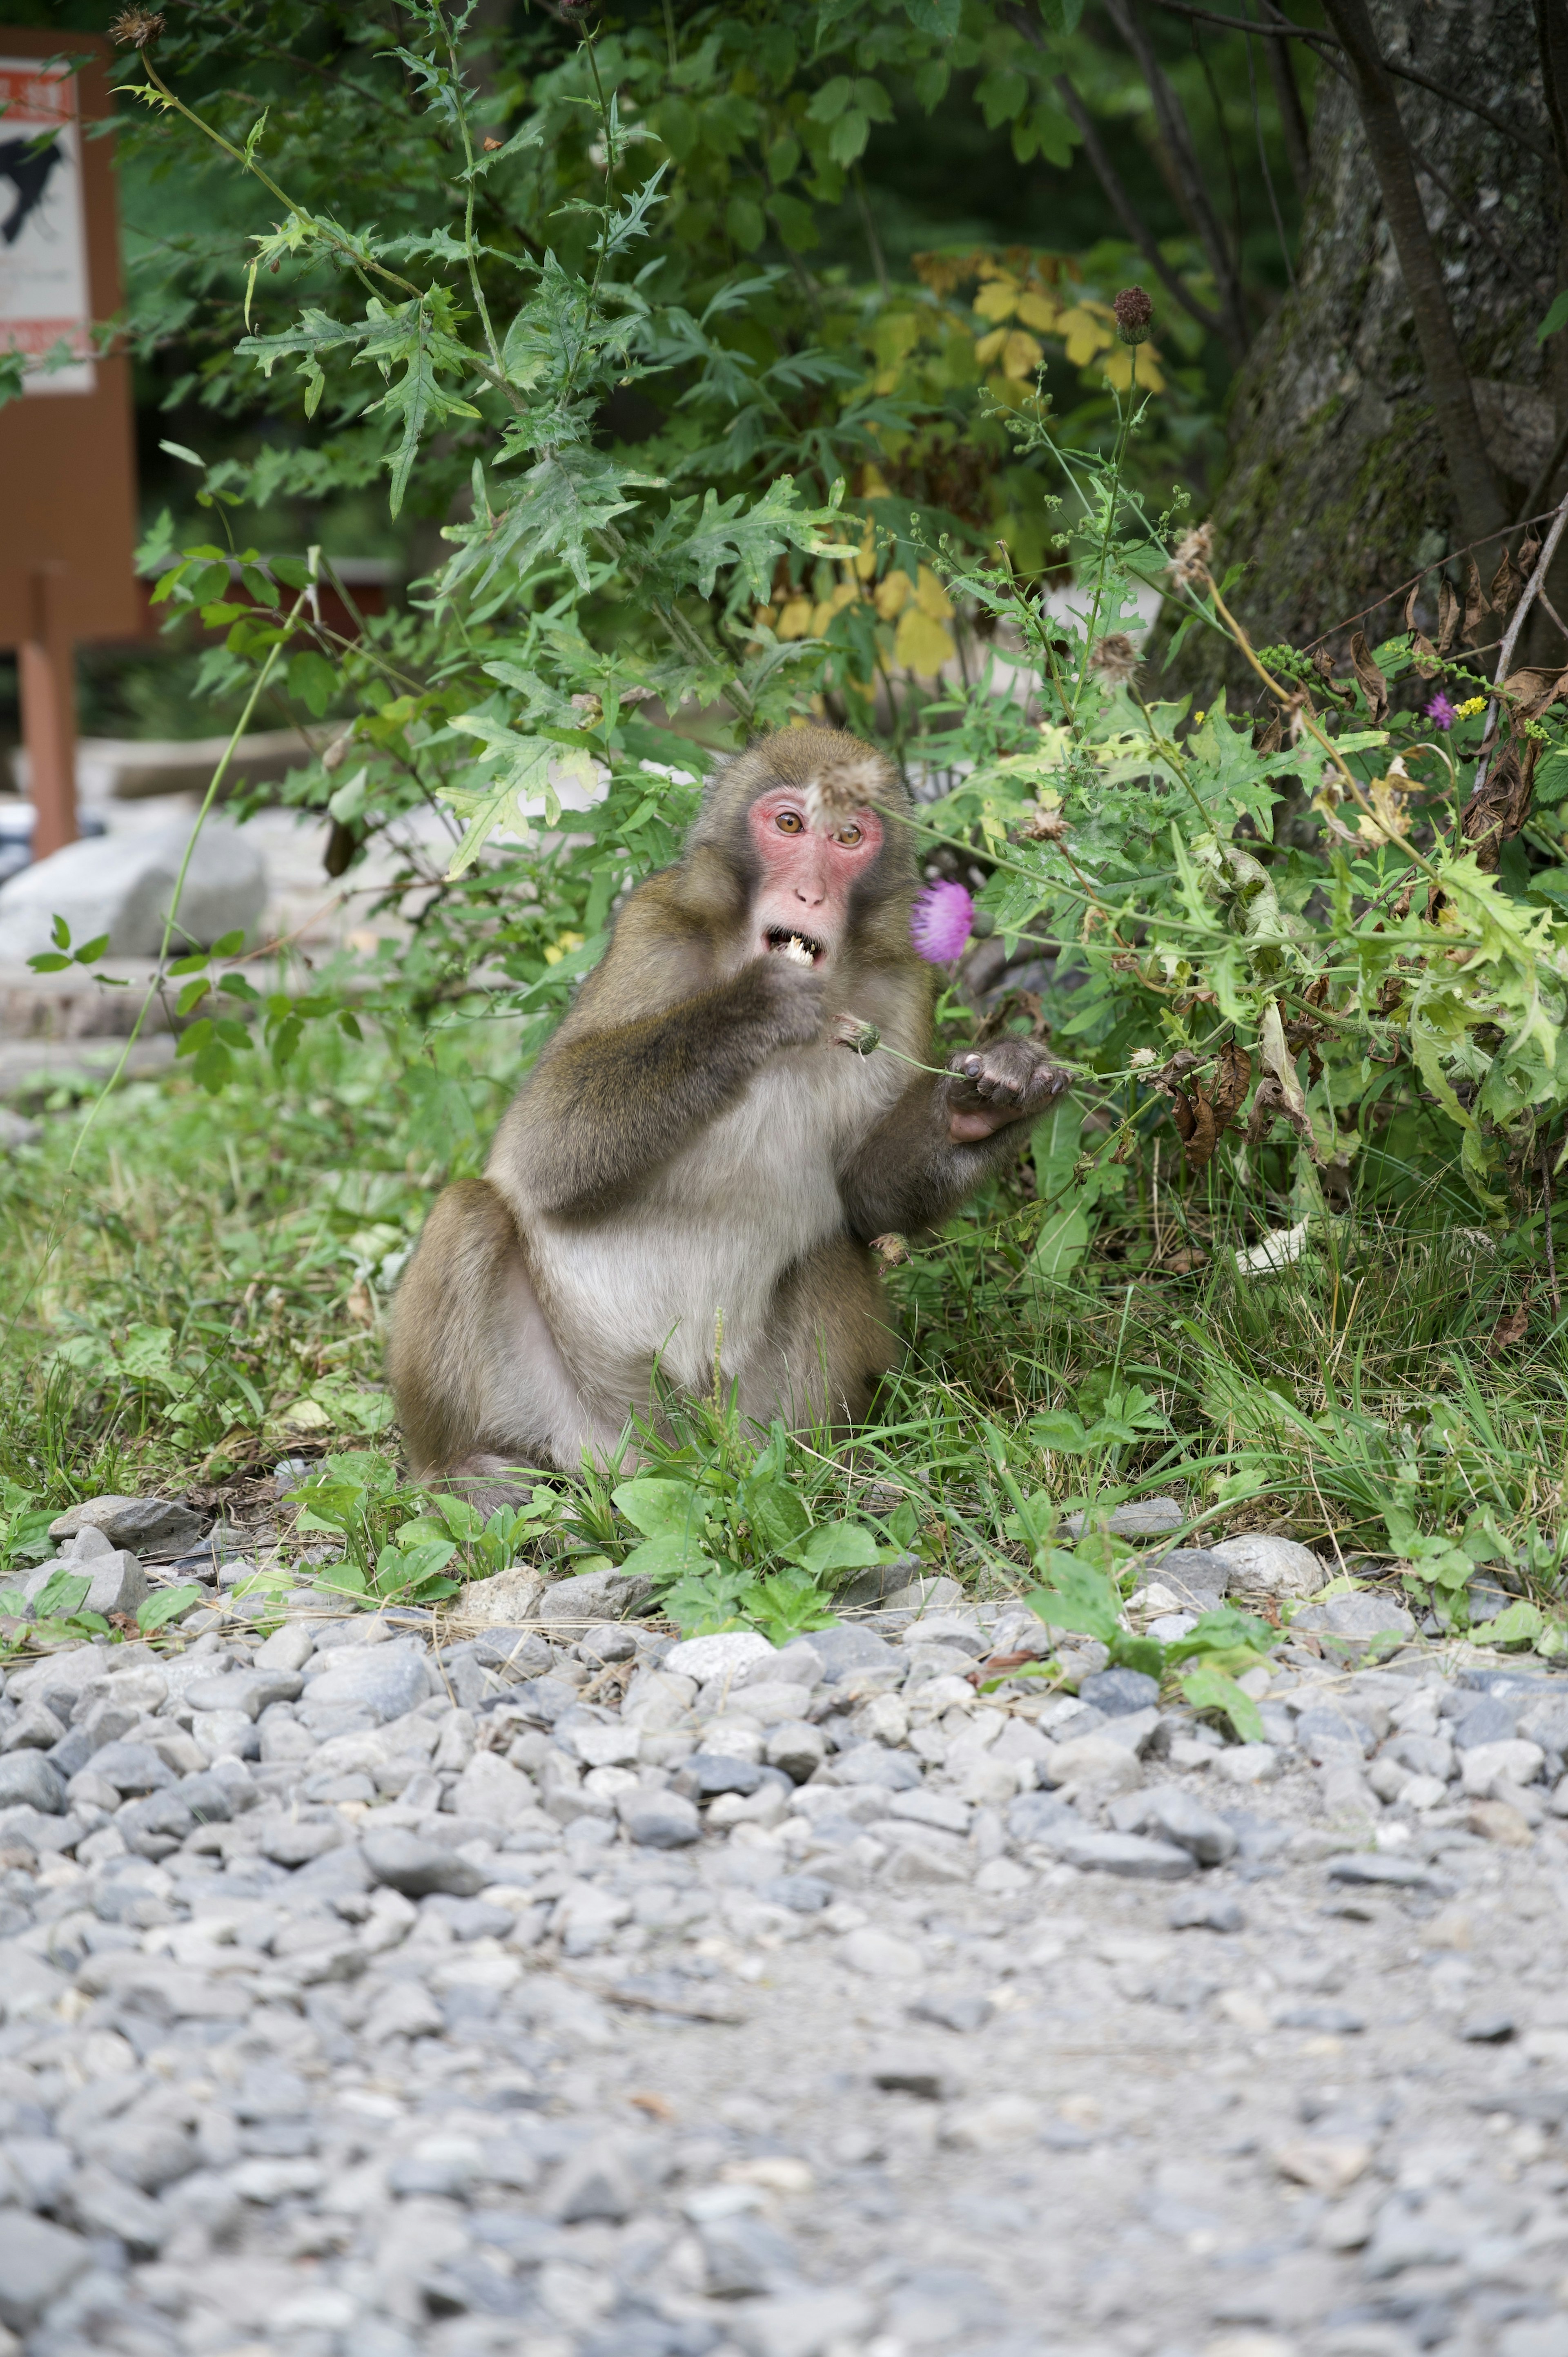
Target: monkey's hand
789	1000
1008	1081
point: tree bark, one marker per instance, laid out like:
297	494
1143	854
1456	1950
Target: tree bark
1337	485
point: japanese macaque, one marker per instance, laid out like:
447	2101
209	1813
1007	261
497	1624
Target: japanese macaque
691	1176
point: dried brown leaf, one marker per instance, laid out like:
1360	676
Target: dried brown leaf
1529	691
1424	656
1410	603
1322	664
1529	550
1512	1326
1501	806
1447	616
1507	582
1477	605
1373	686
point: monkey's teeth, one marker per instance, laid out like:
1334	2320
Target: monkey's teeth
795	949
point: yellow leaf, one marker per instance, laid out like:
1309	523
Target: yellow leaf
932	597
998	300
921	645
795	621
1085	335
894	594
1391	820
1036	311
873	484
865	555
1119	368
987	346
306	1416
1021	355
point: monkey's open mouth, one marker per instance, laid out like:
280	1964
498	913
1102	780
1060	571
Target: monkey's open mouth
801	949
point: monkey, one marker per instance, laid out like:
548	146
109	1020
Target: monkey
687	1185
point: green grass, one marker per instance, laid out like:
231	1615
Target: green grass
215	1263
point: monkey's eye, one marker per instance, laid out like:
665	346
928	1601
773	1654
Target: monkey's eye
849	836
789	823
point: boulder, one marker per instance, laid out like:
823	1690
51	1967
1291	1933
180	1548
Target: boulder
146	1525
1260	1564
592	1597
123	885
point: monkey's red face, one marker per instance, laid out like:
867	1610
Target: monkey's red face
808	873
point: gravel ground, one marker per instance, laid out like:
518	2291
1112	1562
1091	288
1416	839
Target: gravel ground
569	1991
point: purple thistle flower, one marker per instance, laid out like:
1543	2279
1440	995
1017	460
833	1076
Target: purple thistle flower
1440	712
942	920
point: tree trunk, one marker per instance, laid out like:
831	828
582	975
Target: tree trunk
1335	489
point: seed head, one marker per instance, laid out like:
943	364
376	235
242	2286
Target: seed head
1135	314
1191	556
137	28
1115	658
864	1038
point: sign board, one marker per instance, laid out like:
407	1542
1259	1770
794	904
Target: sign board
67	509
45	309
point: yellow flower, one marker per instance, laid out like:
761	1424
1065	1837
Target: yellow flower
1471	705
560	945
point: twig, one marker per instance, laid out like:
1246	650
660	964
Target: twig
1123	206
1546	1208
1510	636
1327	44
1544	482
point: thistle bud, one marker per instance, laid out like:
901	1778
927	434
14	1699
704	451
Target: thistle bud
892	1251
864	1038
1135	314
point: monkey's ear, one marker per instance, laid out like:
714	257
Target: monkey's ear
844	783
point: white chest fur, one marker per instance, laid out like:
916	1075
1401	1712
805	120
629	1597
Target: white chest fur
701	1251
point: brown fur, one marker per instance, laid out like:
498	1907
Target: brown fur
694	1169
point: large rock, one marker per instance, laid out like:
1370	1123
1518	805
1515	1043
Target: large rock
123	885
386	1680
37	2262
145	1525
116	1582
1260	1564
1357	1617
591	1596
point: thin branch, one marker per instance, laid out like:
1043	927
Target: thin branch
1282	29
1263	162
1448	384
1127	212
1178	137
1528	595
1292	116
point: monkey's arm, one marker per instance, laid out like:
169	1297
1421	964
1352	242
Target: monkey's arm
942	1138
607	1107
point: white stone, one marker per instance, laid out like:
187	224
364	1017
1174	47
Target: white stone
607	1745
1513	1762
123	885
880	1956
1248	1763
1263	1565
715	1657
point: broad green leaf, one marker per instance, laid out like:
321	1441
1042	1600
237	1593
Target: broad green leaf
660	1509
837	1546
1207	1688
62	1594
168	1604
1078	1596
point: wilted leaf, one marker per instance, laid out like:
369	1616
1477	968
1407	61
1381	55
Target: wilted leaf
1373	686
1512	1326
1477	605
1447	616
1498	808
1507	582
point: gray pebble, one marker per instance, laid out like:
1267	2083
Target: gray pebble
27	1778
405	1862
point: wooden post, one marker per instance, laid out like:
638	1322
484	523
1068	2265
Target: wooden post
46	671
68	506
